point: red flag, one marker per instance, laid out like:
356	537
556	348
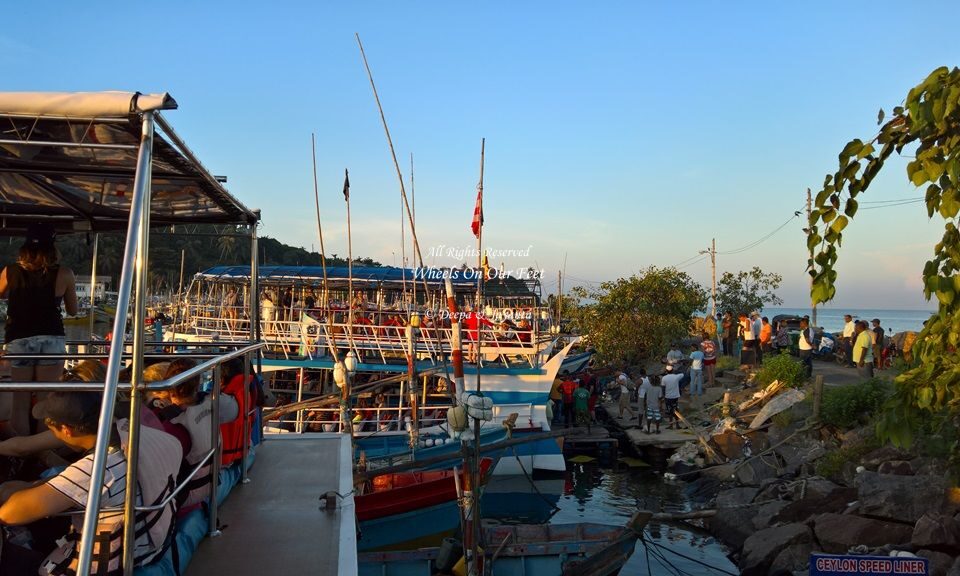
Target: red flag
478	213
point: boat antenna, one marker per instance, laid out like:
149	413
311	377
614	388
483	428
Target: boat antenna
316	201
403	192
325	302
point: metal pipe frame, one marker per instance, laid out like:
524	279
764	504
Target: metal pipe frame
104	428
254	315
68	144
136	381
213	531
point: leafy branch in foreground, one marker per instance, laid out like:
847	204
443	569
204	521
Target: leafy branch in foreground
928	123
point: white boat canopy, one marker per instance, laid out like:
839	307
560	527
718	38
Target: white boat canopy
70	159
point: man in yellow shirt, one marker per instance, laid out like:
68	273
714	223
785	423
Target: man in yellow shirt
863	350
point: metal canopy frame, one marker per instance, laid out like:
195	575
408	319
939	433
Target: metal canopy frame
78	173
94	162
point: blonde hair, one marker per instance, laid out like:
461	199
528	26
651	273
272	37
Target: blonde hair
86	371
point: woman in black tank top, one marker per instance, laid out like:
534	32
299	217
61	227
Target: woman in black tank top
35	287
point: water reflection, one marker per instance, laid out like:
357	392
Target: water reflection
589	493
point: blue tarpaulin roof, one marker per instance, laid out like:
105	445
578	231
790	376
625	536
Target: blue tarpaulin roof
462	279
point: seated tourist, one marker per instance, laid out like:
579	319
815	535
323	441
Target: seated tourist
189	409
73	417
231	432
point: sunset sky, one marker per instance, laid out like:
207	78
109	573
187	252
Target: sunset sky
618	134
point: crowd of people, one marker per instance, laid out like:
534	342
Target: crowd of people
175	439
51	435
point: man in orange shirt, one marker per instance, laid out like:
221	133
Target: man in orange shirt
766	335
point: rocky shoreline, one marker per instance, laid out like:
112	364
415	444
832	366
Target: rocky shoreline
776	502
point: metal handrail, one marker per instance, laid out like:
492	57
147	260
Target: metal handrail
125	386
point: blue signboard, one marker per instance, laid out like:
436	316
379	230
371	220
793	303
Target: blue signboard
838	565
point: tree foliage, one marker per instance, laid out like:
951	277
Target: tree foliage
636	318
747	291
927	126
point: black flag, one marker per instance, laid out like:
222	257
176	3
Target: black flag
346	185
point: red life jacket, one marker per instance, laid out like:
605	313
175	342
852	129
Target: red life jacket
568	387
232	432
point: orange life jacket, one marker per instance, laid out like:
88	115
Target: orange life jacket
232	432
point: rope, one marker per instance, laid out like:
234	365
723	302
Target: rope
552	505
685	557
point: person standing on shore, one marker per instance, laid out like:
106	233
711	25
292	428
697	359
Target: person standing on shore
863	350
696	372
757	344
849	330
644	388
729	333
719	333
671	395
654	403
556	398
805	344
35	286
625	385
766	336
709	349
748	355
878	336
567	388
581	405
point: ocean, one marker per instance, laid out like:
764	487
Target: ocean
831	319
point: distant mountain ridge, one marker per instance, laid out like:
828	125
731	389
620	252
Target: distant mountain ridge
202	248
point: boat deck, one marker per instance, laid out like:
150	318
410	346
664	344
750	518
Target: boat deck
276	524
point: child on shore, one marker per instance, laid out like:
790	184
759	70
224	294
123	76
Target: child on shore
653	399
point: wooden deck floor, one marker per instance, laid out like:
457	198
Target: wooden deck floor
275	524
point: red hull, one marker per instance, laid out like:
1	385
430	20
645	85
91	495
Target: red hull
408	491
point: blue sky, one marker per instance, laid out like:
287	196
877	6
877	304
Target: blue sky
619	134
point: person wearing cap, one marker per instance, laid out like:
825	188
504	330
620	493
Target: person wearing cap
34	287
849	332
863	350
878	336
73	418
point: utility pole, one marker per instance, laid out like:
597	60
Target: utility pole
712	251
813	312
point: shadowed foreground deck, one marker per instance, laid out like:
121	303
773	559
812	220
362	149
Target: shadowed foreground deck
276	524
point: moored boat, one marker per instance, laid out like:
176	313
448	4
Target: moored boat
583	549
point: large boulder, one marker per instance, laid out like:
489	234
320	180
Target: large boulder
816	496
733	526
837	533
754	472
729	444
940	563
955	569
736	496
767	513
793	558
937	531
900	498
763	547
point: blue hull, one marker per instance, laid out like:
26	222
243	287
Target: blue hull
422	527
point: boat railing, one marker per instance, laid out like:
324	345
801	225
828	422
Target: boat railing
371	338
212	363
366	419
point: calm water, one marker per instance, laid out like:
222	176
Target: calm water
589	493
831	319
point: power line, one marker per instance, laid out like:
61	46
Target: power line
901	203
695	262
756	243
